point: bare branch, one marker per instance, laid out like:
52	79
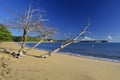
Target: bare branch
68	43
83	31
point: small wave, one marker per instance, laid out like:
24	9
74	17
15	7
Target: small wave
90	57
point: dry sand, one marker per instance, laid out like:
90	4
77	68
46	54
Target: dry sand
56	67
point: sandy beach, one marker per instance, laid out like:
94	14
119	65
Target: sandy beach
56	67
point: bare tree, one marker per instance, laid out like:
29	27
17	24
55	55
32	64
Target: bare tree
30	23
30	20
69	42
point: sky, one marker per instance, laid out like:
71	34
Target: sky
72	15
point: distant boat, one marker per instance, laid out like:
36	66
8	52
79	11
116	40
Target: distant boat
93	46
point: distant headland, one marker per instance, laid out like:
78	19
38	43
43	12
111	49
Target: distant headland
97	41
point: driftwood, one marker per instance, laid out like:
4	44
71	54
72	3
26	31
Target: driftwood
67	43
9	51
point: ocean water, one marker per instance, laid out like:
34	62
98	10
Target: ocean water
103	51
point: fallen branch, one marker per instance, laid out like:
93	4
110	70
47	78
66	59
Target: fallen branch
67	43
9	51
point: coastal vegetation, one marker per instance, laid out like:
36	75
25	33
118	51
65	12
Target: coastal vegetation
29	39
5	34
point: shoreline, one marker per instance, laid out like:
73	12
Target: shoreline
78	55
74	55
58	67
89	57
82	56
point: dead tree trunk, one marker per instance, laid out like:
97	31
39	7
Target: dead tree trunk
74	39
26	29
20	52
61	47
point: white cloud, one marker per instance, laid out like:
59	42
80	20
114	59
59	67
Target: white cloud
87	38
109	37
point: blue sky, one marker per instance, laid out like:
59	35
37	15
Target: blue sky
72	15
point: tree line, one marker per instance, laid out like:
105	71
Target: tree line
29	39
6	35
